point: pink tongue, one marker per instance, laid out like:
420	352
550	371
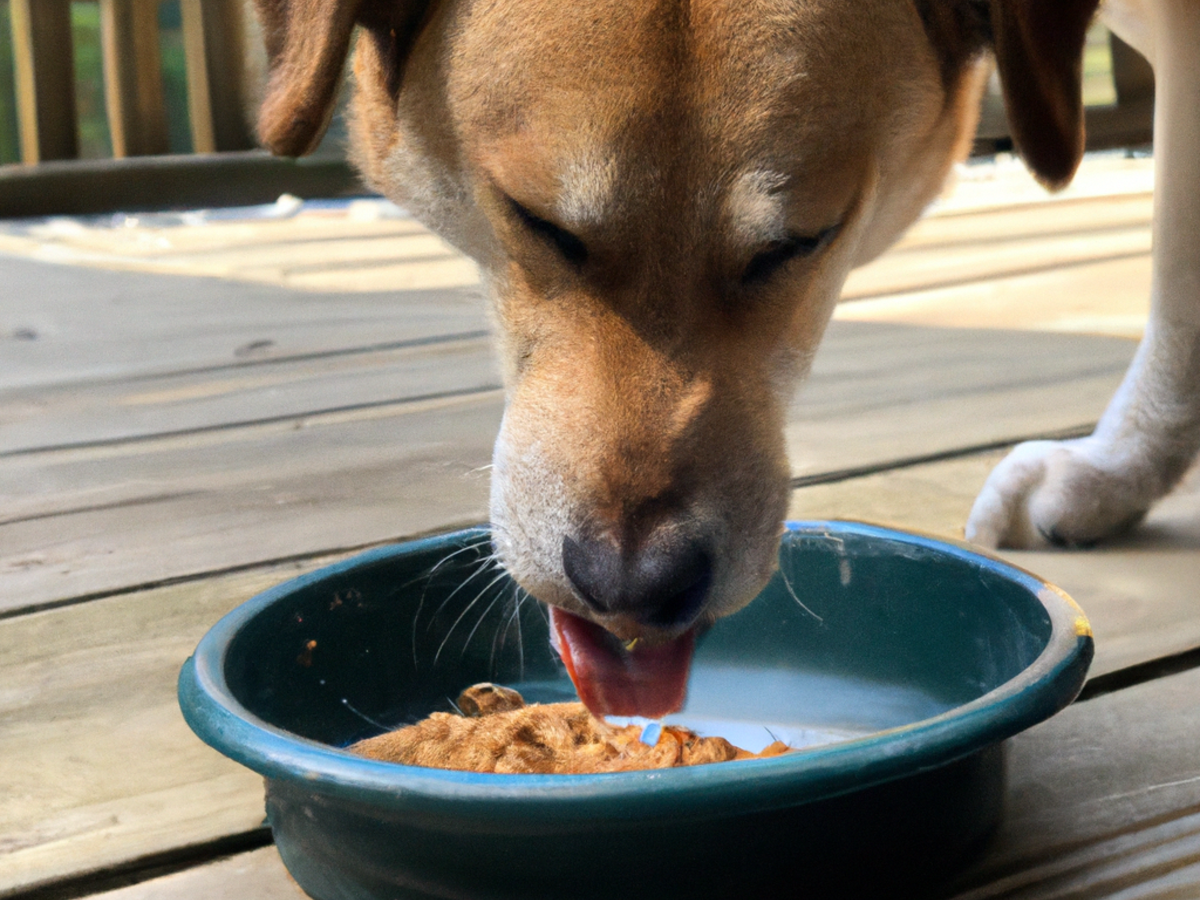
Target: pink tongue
614	681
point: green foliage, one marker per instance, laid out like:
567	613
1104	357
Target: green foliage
10	149
174	69
94	139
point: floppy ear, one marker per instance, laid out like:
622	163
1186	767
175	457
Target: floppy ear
1039	52
307	42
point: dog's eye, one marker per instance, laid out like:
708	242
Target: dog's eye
573	250
778	254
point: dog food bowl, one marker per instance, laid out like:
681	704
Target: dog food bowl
900	663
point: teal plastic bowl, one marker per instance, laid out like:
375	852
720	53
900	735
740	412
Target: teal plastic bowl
899	661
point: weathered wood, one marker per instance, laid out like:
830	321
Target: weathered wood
90	519
1133	76
258	875
133	89
834	418
92	186
343	252
213	40
67	326
1110	297
244	392
197	503
1104	801
954	249
98	766
45	78
879	393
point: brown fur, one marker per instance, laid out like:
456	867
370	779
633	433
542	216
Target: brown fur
677	141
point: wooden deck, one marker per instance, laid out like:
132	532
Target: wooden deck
193	408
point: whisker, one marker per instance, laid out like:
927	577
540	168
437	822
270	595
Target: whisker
500	638
466	548
514	619
480	569
428	577
362	715
482	616
465	610
788	584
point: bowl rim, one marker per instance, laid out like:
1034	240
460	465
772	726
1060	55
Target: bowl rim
1043	688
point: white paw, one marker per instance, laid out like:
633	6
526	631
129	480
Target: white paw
1064	493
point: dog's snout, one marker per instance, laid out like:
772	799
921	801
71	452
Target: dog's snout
662	583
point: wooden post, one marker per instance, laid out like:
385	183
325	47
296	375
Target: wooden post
45	77
213	40
1133	77
133	88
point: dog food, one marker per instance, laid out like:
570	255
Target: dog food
498	732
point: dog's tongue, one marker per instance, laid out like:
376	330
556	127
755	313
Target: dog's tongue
613	680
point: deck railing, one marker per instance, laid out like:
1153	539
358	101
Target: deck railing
215	52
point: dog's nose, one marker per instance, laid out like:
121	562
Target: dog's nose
662	583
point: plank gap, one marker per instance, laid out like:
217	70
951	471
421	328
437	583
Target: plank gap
916	245
1039	204
833	477
250	362
99	507
302	416
192	577
1140	673
1057	266
146	868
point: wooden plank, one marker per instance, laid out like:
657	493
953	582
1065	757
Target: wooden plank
99	766
851	401
99	186
243	392
1107	297
1138	590
61	325
365	247
90	519
953	249
141	513
258	875
45	79
1104	801
213	40
1133	76
880	393
133	88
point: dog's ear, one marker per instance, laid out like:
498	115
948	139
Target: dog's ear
307	43
1039	53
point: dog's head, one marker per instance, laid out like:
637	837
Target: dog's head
664	198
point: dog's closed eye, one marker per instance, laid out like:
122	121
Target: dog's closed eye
570	247
775	256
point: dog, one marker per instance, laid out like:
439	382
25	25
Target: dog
664	198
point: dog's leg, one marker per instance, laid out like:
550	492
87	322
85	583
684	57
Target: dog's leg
1077	492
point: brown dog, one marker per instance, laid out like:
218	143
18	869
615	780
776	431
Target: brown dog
664	198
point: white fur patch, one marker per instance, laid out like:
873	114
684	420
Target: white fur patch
755	207
587	186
